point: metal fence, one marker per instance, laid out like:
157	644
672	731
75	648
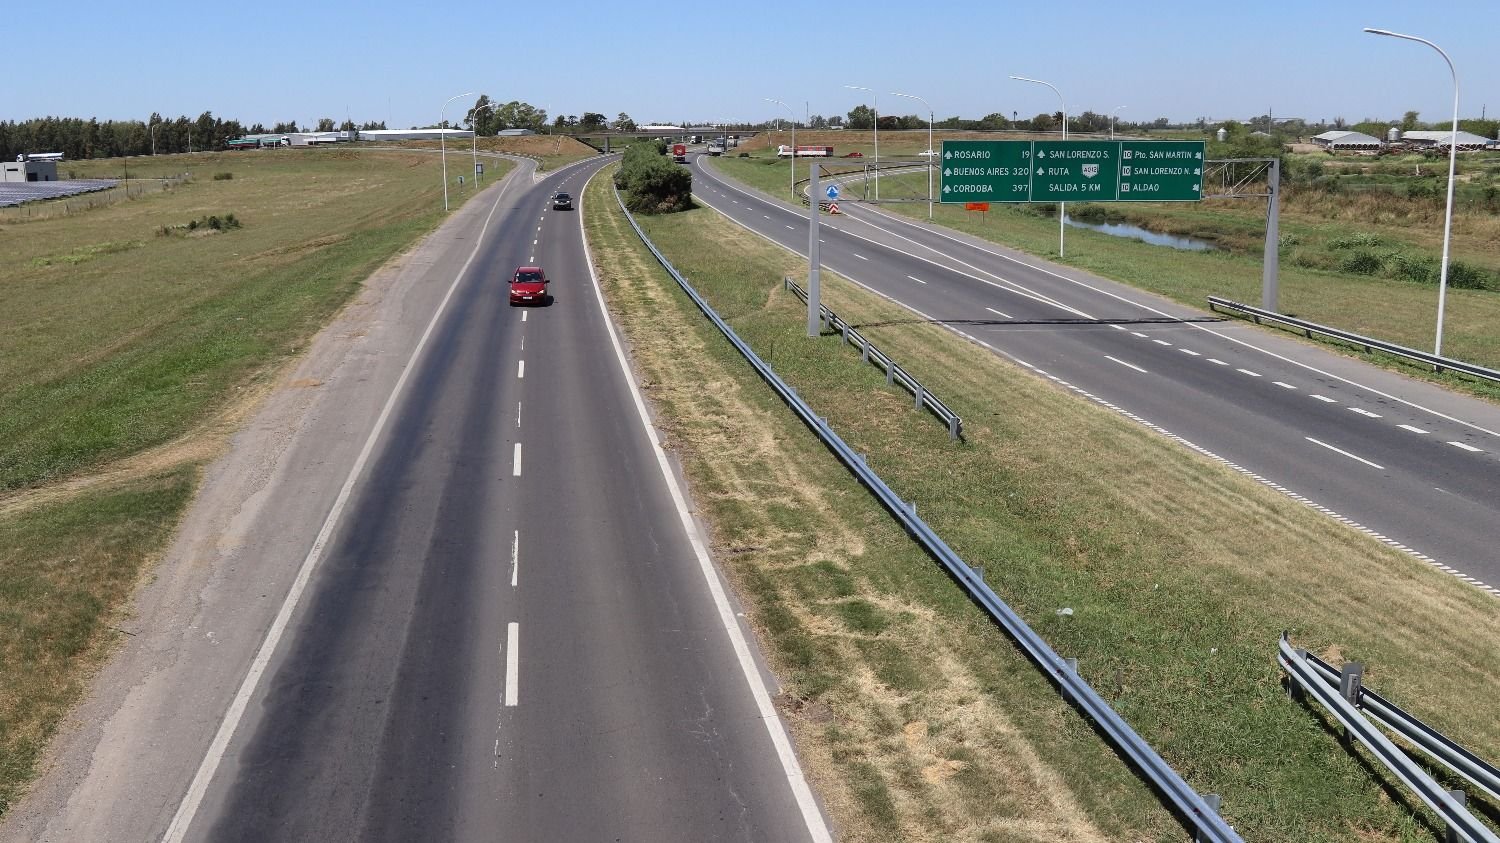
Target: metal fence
1198	812
894	374
1309	328
1342	695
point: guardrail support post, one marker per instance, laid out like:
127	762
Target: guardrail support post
953	425
1212	801
1350	679
890	373
920	393
1452	835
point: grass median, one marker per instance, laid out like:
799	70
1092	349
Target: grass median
137	336
918	720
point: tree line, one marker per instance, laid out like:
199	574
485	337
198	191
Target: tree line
78	138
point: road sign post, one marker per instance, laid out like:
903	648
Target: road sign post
814	299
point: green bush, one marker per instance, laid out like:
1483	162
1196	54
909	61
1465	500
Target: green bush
223	176
1462	276
652	183
1362	263
1359	240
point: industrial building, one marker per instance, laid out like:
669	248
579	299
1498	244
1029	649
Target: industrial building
29	169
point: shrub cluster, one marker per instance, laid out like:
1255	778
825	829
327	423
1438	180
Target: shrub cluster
223	176
1363	254
213	222
652	183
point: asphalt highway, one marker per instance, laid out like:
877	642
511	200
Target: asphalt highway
1407	462
513	633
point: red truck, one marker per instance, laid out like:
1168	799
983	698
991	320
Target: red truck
679	153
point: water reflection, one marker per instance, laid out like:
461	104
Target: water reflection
1135	232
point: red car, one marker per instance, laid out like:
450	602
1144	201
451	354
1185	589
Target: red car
529	286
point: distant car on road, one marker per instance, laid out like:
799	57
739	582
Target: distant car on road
529	286
562	202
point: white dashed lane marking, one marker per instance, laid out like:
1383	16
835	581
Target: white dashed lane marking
916	279
520	368
1162	342
1248	372
1325	399
1344	453
1366	413
1122	363
1139	334
1189	351
1217	362
861	257
1469	448
998	313
1412	429
515	461
1283	385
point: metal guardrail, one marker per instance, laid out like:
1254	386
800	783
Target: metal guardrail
1195	810
1309	328
894	374
1435	744
1339	698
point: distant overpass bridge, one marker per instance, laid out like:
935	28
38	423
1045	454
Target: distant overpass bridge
603	141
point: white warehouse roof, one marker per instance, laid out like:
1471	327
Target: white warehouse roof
1441	138
412	134
1346	139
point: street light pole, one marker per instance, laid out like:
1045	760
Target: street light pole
930	156
474	139
794	142
876	100
1452	166
1112	115
443	141
153	138
1062	207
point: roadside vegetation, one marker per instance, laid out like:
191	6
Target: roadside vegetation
127	359
915	718
550	151
1362	260
651	182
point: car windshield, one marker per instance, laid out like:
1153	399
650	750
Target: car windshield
528	278
562	196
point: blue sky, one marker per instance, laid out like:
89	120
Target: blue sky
672	61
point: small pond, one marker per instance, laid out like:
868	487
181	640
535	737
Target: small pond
1135	232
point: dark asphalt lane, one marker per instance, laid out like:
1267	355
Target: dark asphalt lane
1417	468
511	637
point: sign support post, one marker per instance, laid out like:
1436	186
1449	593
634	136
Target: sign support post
814	288
1269	279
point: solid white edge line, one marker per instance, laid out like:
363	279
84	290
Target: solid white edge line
515	461
1345	453
512	662
812	817
1309	367
1193	446
1126	365
182	819
1001	283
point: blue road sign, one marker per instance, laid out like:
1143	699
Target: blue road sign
833	191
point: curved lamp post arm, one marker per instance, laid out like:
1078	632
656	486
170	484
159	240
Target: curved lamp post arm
443	140
1452	167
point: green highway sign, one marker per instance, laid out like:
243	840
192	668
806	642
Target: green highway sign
1075	171
1072	171
1161	171
986	171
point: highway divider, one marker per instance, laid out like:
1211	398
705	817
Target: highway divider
1196	811
894	374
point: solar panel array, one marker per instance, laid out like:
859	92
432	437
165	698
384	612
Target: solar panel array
17	192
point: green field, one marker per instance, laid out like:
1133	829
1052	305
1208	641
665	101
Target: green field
132	345
1311	284
917	720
